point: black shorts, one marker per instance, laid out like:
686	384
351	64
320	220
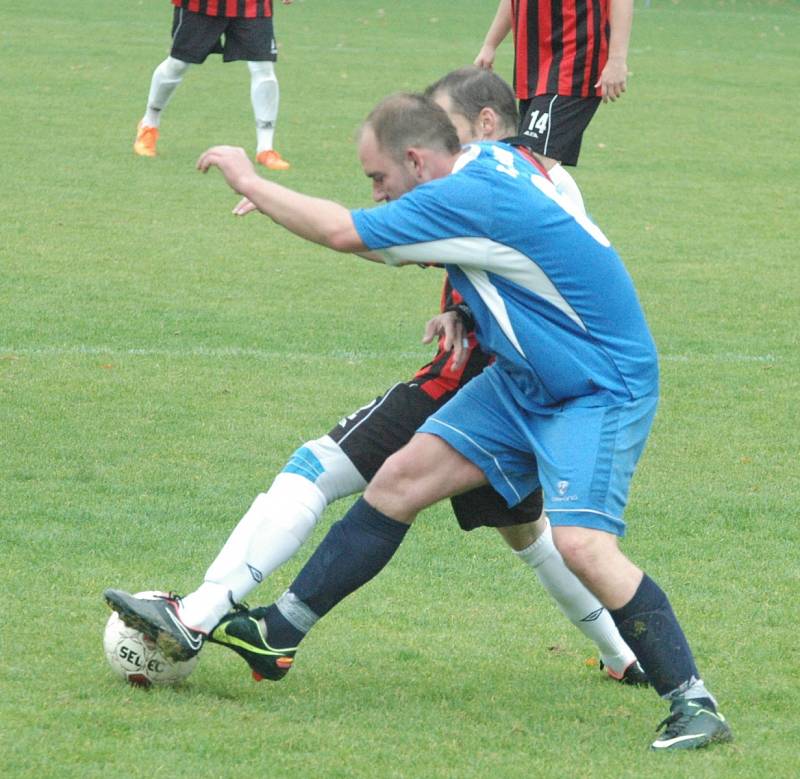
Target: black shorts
553	125
376	431
195	36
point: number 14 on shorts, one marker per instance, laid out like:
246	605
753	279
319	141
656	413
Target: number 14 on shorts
537	125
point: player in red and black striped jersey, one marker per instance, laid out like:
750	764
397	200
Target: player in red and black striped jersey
237	29
568	56
341	463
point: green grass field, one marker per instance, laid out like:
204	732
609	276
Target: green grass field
159	360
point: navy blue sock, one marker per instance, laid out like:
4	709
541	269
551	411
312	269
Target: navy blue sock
651	630
355	549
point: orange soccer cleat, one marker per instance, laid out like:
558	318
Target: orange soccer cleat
146	138
272	160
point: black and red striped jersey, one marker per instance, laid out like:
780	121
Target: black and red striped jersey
241	9
560	46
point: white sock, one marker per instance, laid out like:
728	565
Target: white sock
271	531
166	78
264	95
565	185
576	602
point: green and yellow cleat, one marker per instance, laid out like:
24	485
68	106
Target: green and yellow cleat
243	631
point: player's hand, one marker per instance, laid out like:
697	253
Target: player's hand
613	79
244	207
233	162
485	58
450	328
288	2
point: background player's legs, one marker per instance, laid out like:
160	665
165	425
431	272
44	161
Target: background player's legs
166	78
265	97
277	524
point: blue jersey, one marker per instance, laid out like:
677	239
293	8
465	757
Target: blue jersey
551	298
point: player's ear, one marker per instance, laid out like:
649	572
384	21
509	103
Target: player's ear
416	162
487	122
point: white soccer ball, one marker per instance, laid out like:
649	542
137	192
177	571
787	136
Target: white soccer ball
133	656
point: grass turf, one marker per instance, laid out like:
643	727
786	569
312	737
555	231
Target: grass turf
159	360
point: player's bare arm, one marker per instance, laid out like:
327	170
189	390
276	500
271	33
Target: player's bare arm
498	29
315	219
614	78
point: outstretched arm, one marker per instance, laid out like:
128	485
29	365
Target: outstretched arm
614	78
321	221
499	28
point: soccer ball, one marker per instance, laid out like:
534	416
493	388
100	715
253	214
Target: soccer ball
133	656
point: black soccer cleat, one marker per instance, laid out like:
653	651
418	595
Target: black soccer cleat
241	630
633	675
691	724
157	618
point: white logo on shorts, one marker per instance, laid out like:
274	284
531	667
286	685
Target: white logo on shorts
562	487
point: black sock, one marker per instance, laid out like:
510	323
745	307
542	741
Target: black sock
651	630
355	549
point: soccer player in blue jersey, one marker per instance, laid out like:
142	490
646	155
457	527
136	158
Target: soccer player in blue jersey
567	404
482	107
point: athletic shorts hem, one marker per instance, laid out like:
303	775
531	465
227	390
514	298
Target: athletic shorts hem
195	36
553	125
588	518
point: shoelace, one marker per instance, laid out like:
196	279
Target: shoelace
671	724
237	605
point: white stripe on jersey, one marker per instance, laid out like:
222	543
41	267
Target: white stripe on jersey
495	303
487	255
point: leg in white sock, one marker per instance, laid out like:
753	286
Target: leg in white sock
273	529
575	601
166	78
264	95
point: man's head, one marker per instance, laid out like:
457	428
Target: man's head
479	103
406	140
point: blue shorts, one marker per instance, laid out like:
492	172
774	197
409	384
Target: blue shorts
582	456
